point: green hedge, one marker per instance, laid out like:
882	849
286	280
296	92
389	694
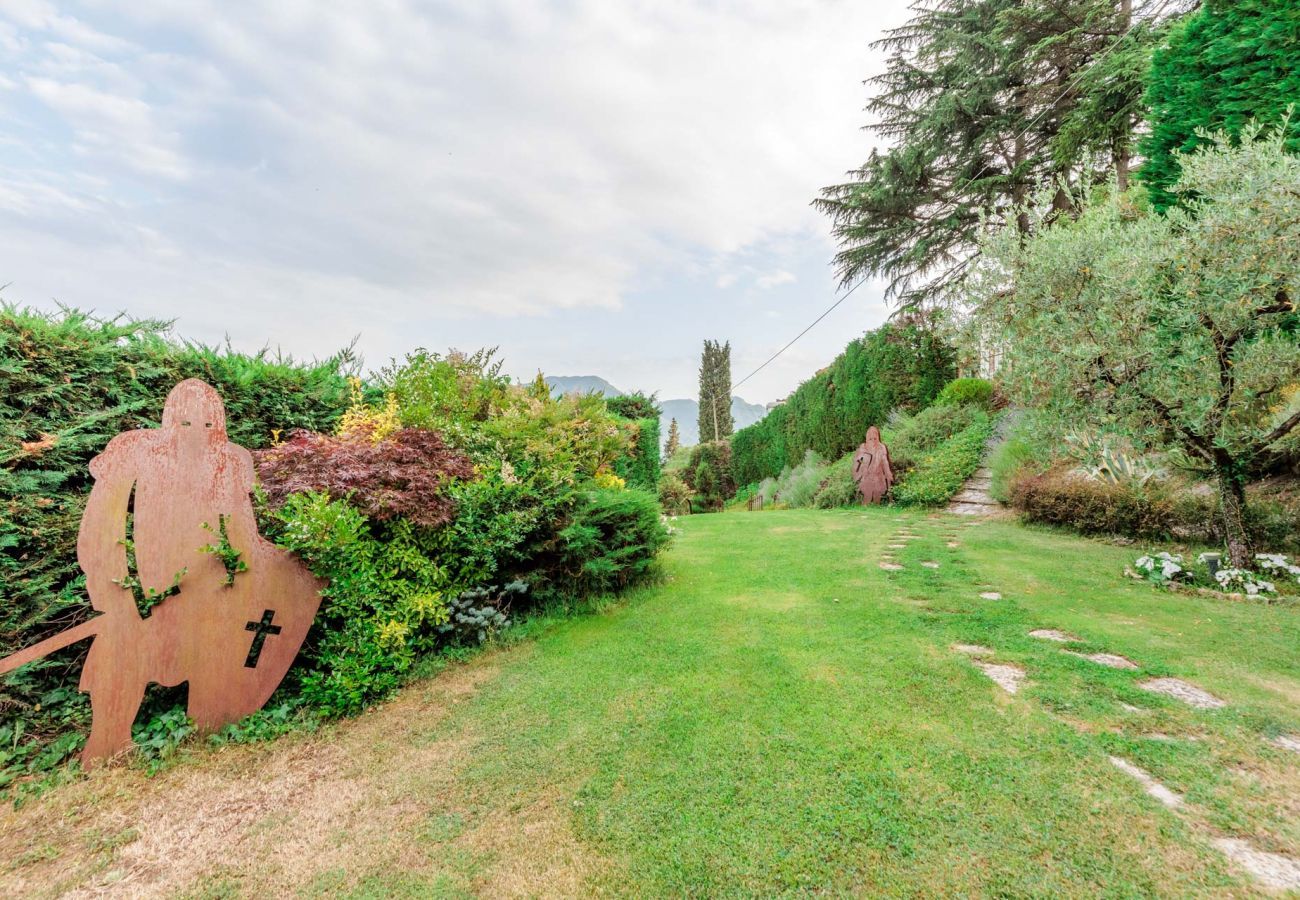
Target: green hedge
897	366
640	467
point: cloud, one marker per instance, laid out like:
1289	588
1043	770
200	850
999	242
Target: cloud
382	168
773	279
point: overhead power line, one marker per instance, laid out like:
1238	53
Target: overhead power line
828	311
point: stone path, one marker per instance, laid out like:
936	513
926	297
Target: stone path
1270	870
973	499
1273	871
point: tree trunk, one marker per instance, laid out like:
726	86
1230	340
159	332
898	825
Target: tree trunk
1232	512
1122	162
1123	148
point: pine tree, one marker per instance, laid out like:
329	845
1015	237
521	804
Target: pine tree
1230	62
674	440
983	100
715	420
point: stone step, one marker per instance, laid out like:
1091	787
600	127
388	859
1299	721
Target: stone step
971	509
969	496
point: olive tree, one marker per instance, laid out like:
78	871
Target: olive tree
1180	330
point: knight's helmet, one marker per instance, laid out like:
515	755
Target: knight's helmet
193	409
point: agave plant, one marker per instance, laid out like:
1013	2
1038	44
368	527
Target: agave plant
1101	460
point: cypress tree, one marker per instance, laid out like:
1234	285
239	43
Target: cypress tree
674	439
715	392
1230	62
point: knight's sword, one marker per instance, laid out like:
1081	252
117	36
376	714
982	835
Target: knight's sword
49	645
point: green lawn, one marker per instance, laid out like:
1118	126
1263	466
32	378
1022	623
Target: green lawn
779	716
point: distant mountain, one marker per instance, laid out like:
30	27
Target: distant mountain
686	412
581	384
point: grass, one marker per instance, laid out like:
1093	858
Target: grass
779	716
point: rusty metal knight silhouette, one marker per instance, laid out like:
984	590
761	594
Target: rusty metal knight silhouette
232	642
871	470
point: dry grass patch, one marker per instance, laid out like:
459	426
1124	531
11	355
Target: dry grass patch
279	818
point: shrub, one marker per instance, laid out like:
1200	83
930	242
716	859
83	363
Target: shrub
921	434
838	488
966	392
639	466
1157	511
939	475
1096	507
475	615
674	494
709	474
610	543
401	476
1009	458
386	595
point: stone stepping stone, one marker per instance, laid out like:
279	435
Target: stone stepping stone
1153	788
1288	742
1181	690
1051	634
973	649
891	567
953	545
930	565
1007	677
1273	870
990	595
1110	660
897	546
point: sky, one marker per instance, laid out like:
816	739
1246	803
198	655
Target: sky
593	186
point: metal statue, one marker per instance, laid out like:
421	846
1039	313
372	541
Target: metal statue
871	471
226	611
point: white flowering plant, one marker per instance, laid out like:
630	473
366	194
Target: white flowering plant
1169	568
1243	581
1162	568
1277	564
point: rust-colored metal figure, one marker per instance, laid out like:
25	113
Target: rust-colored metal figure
231	633
871	469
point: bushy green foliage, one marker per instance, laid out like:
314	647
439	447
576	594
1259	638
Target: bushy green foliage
897	366
938	475
709	474
611	540
634	407
640	465
407	529
838	487
966	392
1231	62
386	597
1017	453
1153	511
674	494
812	483
911	438
796	485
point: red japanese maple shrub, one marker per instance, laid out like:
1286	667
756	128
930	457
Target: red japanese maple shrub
401	476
